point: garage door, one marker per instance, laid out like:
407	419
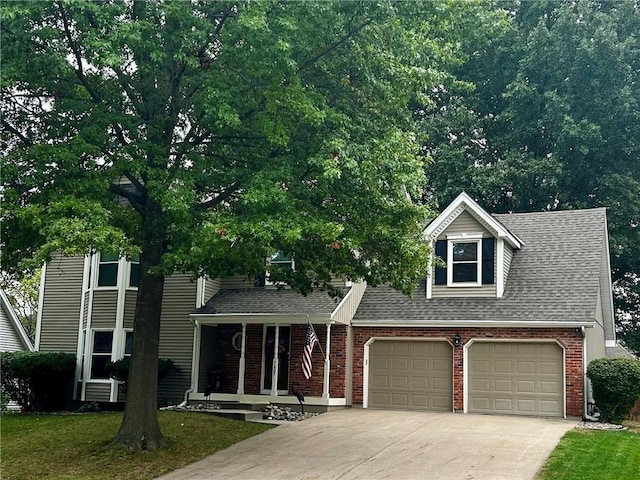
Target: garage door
410	375
516	378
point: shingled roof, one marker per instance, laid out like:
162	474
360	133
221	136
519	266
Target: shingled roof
553	278
268	301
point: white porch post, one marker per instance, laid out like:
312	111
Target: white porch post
241	365
327	363
274	365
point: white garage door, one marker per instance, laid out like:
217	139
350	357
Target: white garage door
516	378
414	375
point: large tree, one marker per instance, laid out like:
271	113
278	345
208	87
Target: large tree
206	136
552	121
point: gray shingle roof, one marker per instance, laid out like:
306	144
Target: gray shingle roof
553	278
619	351
269	300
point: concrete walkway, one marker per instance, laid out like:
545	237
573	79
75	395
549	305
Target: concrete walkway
378	444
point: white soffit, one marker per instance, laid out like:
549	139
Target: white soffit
465	202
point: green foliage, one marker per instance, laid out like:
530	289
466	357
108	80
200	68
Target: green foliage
35	380
616	386
545	115
119	370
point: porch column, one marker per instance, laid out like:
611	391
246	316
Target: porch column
241	365
274	365
327	363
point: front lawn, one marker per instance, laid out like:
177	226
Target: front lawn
595	455
72	446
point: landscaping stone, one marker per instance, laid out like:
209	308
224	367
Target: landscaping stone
276	412
600	426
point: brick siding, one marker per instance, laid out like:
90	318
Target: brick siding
568	338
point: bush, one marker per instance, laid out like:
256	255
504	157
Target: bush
616	386
35	380
119	370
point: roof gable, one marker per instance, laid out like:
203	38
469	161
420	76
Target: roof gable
9	315
465	203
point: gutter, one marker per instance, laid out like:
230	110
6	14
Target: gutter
470	323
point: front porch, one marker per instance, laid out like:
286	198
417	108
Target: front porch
256	361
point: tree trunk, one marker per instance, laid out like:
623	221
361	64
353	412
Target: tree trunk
140	429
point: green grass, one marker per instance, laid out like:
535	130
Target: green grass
72	446
594	455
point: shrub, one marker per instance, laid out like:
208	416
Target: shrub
119	370
616	386
36	380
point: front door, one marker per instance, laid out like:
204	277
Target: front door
284	334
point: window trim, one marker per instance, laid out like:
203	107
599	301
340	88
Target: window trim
99	263
464	238
92	353
270	261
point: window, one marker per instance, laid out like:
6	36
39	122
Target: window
101	354
102	349
108	270
128	344
469	261
134	272
281	262
464	262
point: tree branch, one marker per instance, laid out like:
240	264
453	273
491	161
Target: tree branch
136	201
221	197
24	139
95	96
336	44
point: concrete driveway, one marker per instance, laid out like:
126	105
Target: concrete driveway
354	444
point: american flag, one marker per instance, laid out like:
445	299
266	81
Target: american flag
309	344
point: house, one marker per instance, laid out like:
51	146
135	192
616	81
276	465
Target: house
506	323
13	336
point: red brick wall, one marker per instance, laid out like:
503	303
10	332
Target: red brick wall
568	338
230	358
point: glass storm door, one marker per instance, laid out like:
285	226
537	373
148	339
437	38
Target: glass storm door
284	335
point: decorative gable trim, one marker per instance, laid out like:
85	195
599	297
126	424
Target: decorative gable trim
465	202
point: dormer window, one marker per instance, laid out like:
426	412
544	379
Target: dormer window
282	262
469	260
465	263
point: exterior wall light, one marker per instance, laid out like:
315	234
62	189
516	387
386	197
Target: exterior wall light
457	340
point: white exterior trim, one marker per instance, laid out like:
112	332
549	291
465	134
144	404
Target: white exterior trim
263	318
473	238
43	276
242	361
80	345
499	273
465	202
341	303
200	292
15	321
472	323
327	364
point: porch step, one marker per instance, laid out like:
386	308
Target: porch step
233	405
237	414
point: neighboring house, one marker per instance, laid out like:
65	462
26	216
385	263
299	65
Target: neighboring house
13	337
508	327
